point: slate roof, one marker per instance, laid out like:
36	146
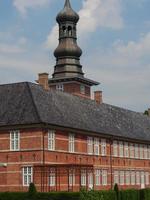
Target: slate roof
28	103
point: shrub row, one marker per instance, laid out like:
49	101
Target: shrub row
83	195
40	196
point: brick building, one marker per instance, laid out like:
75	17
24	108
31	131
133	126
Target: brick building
53	133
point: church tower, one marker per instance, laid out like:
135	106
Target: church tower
68	75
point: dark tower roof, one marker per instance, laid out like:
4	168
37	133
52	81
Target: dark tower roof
67	14
68	52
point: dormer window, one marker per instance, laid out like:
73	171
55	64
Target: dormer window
82	89
60	87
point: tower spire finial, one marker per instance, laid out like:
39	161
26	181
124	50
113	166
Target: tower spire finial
67	4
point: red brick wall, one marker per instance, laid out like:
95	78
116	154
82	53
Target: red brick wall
31	153
74	88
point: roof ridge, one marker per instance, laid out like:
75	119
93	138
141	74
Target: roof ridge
32	99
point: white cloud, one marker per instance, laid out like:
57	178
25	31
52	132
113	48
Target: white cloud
52	38
124	68
93	15
23	5
100	13
9	48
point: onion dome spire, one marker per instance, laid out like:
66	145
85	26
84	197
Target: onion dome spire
67	53
67	14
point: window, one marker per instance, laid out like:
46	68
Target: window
90	180
98	177
149	152
147	178
104	177
141	151
145	152
60	87
132	178
83	178
90	145
121	149
14	140
126	150
27	176
121	177
127	173
115	149
82	89
137	178
131	150
103	147
52	177
71	177
71	143
136	151
51	140
96	146
116	177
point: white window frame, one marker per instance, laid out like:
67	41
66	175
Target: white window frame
136	151
52	177
132	177
115	148
149	152
116	177
90	145
137	178
103	147
27	175
121	152
71	177
147	178
127	178
132	152
60	87
97	177
82	89
83	178
121	177
71	142
145	152
126	150
96	146
104	177
141	152
51	140
14	140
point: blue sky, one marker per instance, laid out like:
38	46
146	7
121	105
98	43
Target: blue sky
113	34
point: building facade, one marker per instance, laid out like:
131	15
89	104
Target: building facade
63	142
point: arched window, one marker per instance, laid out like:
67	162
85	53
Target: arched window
64	30
69	30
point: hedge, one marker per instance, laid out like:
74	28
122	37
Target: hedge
130	195
40	196
83	195
97	195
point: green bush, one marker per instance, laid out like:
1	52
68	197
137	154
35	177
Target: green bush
130	194
13	196
97	195
145	194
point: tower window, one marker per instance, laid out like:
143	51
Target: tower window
82	89
64	30
60	87
69	30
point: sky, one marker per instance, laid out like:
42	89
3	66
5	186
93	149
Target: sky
113	34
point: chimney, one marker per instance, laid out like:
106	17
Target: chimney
98	97
43	80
